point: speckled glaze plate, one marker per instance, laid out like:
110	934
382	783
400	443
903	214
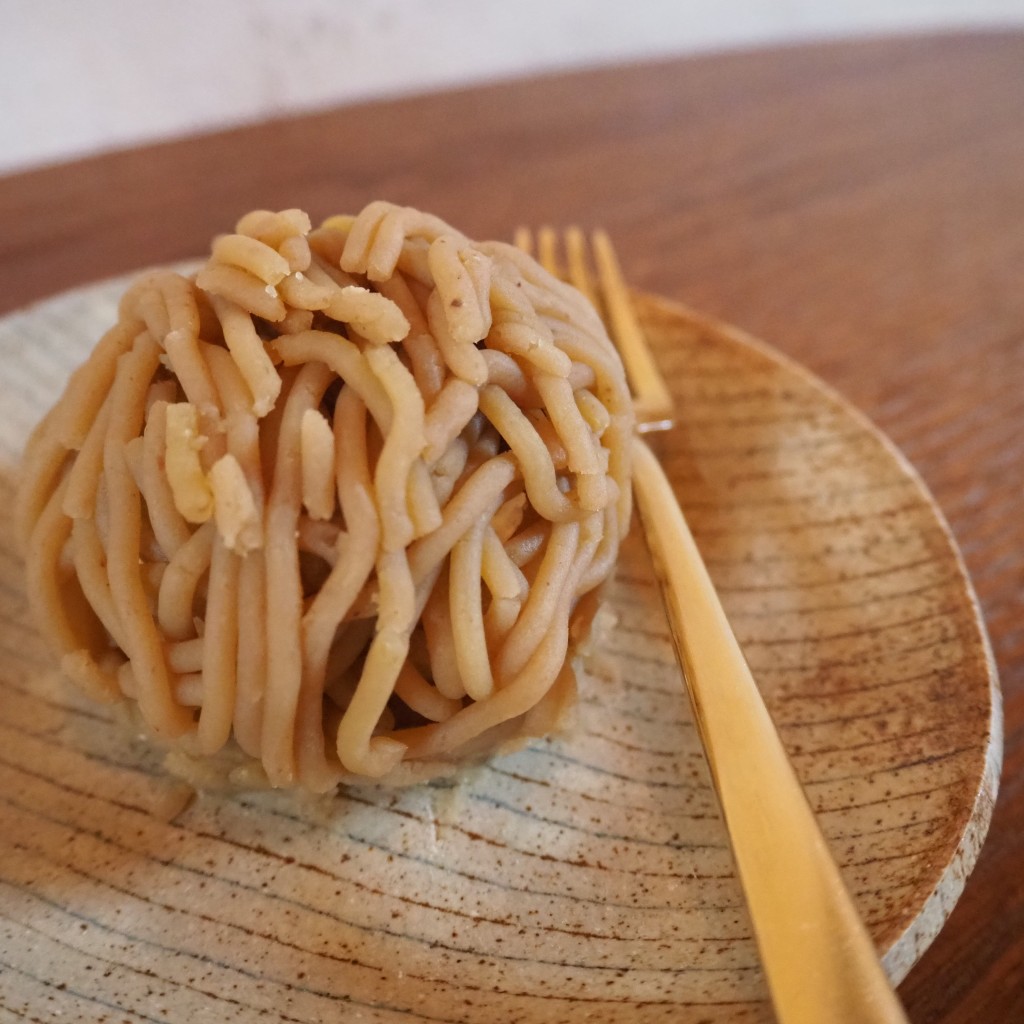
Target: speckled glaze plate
587	877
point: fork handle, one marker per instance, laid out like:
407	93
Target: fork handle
820	963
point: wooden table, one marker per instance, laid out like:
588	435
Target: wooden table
858	206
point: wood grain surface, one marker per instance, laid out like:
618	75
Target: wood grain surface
858	206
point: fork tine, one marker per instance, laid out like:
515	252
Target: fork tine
654	406
547	250
523	239
579	269
610	297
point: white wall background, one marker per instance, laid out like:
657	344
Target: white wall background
80	76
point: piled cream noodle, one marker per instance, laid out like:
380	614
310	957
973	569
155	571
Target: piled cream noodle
338	504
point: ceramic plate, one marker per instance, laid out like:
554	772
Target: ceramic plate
586	877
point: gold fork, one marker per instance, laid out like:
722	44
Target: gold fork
819	961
